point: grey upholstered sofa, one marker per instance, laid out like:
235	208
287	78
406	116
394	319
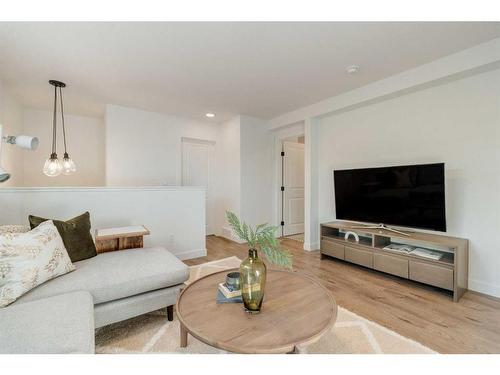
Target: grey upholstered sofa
60	315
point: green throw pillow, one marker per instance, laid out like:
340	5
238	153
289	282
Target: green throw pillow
75	234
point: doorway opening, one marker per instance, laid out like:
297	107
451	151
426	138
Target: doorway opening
292	177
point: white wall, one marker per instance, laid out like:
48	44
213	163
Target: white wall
457	123
257	166
11	117
312	158
85	141
144	148
129	147
228	181
174	215
289	132
246	165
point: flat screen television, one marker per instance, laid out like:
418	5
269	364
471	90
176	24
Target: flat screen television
408	196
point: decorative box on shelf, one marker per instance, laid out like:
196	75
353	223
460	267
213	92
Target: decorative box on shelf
112	239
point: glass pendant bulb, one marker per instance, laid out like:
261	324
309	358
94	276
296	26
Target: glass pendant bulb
52	166
68	165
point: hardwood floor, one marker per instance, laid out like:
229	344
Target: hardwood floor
419	312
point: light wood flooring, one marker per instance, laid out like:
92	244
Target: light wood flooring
422	313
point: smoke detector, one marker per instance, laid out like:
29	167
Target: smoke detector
352	69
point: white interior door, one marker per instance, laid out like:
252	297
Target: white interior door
293	182
197	164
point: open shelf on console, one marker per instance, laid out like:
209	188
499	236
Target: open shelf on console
365	239
447	258
447	254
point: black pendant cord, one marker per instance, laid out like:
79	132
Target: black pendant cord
63	126
54	122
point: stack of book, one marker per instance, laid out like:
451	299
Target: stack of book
405	249
426	253
226	294
417	251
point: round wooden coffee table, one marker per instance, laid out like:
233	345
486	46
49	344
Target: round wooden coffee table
296	310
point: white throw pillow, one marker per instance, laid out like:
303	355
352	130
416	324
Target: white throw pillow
30	259
14	229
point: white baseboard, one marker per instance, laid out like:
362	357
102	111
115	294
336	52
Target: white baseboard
228	234
234	239
485	288
191	254
311	246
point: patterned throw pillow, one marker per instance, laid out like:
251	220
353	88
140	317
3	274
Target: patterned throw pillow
30	259
14	229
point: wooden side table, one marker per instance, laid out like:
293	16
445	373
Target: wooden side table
111	239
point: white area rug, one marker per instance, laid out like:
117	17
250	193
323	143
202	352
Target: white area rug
153	333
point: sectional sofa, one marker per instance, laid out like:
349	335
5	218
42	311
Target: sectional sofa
60	316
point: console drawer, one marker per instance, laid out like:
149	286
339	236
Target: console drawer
390	264
431	274
332	249
358	256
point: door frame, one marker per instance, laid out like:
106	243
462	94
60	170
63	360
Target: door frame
284	192
194	141
309	128
292	132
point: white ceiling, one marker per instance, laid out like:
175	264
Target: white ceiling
188	69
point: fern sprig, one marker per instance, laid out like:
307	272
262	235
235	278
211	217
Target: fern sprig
262	236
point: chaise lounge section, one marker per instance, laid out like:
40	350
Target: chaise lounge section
56	325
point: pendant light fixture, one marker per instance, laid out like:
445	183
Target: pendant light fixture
53	167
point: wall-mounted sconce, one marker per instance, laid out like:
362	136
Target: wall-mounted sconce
24	141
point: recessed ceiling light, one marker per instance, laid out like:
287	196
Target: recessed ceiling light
210	115
352	69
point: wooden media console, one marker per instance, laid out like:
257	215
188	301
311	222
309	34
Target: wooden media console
450	272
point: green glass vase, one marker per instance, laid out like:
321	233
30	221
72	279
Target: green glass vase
253	281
